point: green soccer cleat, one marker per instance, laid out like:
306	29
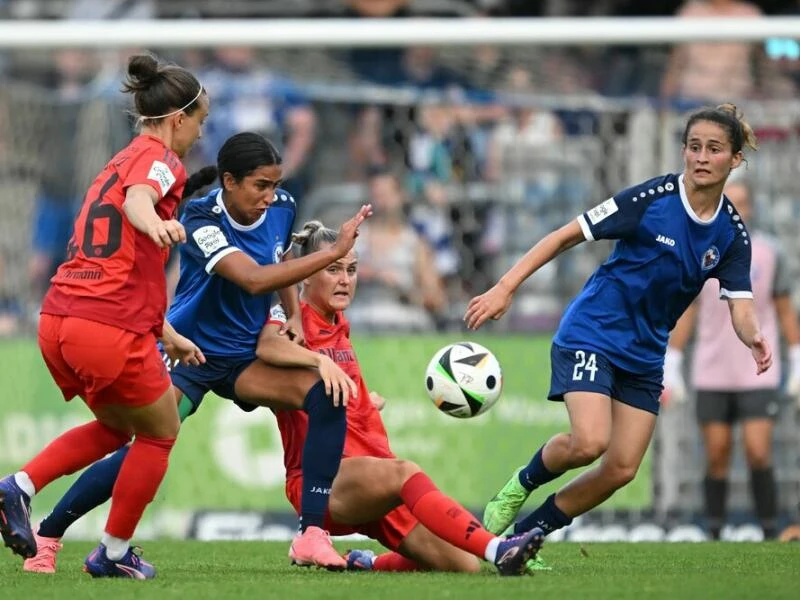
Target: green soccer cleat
536	564
501	510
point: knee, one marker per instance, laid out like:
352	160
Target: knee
405	470
585	451
759	460
619	475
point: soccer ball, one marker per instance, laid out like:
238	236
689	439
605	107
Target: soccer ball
464	380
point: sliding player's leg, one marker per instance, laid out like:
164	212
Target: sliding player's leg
263	385
366	489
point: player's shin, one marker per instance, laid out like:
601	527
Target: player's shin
141	473
548	517
322	453
72	451
445	517
89	491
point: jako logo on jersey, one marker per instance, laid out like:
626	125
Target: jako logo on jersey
277	253
710	258
665	240
602	210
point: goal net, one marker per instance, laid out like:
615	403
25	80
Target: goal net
490	144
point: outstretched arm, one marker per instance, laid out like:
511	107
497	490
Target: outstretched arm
279	351
494	303
745	323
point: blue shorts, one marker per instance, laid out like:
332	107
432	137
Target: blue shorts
576	370
217	375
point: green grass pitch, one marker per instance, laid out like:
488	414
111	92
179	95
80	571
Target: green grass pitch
195	570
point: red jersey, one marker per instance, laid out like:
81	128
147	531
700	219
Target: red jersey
114	273
366	435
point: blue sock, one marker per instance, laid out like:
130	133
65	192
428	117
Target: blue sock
89	491
535	473
322	452
548	517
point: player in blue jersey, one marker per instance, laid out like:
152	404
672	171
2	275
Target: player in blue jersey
232	261
674	232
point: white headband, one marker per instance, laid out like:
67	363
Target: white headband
175	112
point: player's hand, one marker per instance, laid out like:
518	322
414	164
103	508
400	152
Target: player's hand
348	232
293	329
762	353
674	383
167	233
492	304
182	350
337	384
377	400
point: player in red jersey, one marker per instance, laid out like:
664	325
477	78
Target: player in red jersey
375	493
102	315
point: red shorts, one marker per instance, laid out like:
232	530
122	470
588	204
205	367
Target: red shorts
102	363
390	531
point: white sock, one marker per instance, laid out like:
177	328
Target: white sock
115	547
490	553
24	482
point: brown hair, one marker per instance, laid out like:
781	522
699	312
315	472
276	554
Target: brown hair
729	118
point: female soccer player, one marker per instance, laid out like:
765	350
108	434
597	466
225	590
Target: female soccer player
674	232
374	493
727	390
102	315
230	265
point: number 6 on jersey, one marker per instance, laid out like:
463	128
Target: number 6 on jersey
584	364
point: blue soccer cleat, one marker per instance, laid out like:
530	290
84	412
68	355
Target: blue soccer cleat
97	564
15	518
514	552
360	560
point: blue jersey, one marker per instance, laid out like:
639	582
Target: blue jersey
216	314
664	255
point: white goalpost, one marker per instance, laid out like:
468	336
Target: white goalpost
330	33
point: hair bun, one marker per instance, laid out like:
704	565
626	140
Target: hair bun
143	71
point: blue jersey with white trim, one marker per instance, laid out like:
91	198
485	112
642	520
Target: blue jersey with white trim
216	314
663	256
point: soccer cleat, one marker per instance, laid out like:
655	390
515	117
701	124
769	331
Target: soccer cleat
360	560
501	510
313	547
536	564
15	519
513	553
45	559
97	564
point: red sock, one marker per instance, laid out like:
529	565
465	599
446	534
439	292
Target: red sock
444	516
392	561
137	483
73	450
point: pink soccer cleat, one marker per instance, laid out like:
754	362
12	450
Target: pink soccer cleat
313	547
45	559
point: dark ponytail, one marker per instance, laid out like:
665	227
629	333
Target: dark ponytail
198	180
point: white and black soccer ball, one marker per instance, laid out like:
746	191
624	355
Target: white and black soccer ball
464	380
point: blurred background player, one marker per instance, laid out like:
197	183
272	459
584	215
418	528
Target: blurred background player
727	389
374	493
607	357
102	315
230	265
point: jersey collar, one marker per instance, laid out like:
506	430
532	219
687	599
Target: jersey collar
687	207
236	225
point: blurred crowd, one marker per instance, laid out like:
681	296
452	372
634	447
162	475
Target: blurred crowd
442	141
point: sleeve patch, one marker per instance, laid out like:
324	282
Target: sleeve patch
209	239
602	211
277	314
162	175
